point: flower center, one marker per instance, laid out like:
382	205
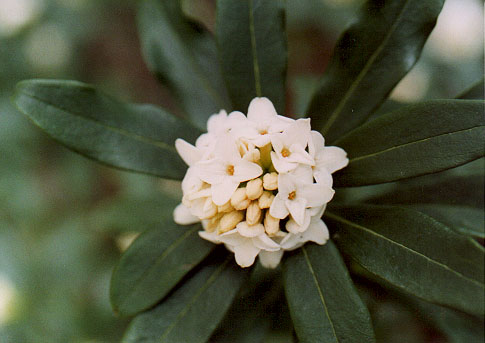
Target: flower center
292	195
285	152
263	132
230	170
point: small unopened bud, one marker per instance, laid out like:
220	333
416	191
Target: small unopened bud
213	223
253	214
265	200
271	224
239	199
270	181
227	207
254	189
230	220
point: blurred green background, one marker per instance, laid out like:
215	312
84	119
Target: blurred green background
64	220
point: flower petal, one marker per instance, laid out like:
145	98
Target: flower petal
332	158
281	164
183	216
293	227
317	232
211	171
210	236
263	242
249	231
246	254
299	154
298	132
189	153
316	143
245	170
270	259
261	110
316	194
278	207
323	177
297	207
222	192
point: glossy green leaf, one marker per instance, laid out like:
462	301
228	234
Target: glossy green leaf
466	220
191	312
461	186
184	56
370	58
412	141
153	265
252	46
127	136
324	304
413	252
476	91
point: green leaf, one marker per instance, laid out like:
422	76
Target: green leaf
370	58
184	56
413	252
465	220
476	91
324	304
153	265
412	141
192	311
126	136
252	47
461	186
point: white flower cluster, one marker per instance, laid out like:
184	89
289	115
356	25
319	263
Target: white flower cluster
259	184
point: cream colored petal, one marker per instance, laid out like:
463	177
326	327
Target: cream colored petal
222	192
183	216
249	231
270	259
246	254
189	153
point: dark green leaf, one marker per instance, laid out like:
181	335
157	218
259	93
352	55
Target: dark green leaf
412	141
252	47
127	136
462	186
369	60
466	220
457	327
192	311
183	55
413	252
324	304
153	265
476	91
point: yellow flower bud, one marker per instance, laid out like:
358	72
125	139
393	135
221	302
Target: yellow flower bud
265	200
227	207
230	220
271	224
270	181
254	189
253	214
239	199
213	223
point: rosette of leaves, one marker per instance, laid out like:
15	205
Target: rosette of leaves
418	235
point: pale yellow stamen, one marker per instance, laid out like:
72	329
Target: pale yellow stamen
253	214
285	152
254	189
227	207
270	181
266	200
230	170
239	199
271	224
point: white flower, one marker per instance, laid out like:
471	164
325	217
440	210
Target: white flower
260	184
289	147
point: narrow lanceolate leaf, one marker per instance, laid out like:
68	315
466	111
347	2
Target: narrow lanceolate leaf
463	219
192	312
412	141
127	136
252	47
184	56
477	91
324	304
153	265
371	57
413	252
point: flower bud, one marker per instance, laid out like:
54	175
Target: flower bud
265	200
270	181
239	199
271	224
227	207
254	189
253	214
230	220
252	155
213	223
